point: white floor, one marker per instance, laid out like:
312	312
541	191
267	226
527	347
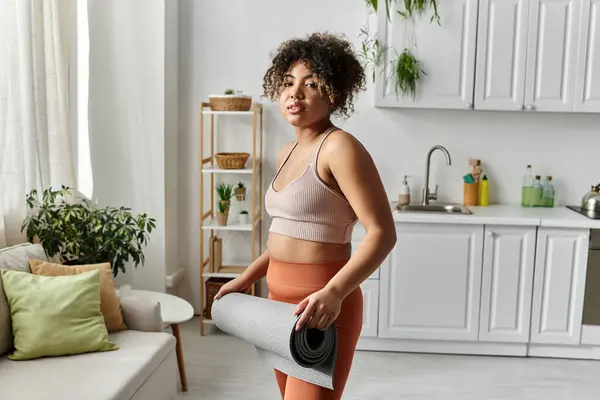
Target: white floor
223	367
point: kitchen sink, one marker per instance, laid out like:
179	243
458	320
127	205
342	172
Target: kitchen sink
433	208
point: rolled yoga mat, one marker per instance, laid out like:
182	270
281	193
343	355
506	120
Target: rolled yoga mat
270	326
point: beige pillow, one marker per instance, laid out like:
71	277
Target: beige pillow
109	303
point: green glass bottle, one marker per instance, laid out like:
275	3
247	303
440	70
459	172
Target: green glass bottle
548	193
536	193
527	188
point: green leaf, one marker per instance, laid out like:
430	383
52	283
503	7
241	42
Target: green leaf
388	4
408	72
83	233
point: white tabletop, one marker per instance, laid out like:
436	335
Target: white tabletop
173	309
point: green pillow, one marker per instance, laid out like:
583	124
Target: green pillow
55	315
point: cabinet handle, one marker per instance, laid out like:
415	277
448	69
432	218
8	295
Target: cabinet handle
530	108
470	105
521	106
490	233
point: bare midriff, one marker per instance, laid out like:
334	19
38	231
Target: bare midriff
292	250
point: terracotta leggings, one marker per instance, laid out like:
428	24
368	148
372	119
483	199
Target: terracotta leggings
291	283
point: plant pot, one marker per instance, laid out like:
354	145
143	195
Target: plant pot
240	194
222	218
243	219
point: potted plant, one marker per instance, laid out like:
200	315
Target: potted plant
79	232
230	100
240	192
222	213
243	217
225	194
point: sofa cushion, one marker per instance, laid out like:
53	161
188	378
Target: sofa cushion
142	314
55	315
111	375
15	258
109	303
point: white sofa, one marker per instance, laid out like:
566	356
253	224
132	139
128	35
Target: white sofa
144	367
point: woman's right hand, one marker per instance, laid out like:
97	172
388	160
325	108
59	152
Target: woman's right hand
238	284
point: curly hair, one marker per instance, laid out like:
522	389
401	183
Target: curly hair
341	76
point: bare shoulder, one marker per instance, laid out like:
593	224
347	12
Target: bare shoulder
356	174
344	147
283	152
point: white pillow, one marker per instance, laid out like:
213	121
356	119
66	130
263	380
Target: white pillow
141	314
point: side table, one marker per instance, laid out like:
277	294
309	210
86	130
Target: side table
174	311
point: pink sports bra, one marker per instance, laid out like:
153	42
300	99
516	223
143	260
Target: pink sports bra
308	208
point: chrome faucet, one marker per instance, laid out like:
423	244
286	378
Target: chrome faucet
426	195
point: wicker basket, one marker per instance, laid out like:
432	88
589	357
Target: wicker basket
232	160
213	285
233	102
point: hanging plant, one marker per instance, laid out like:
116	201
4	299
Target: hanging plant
406	69
371	51
418	7
408	72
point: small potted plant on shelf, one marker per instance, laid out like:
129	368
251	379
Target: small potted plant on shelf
222	213
243	217
225	193
230	100
240	192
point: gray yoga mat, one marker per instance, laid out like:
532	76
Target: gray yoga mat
269	325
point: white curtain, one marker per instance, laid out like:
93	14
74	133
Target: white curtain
35	145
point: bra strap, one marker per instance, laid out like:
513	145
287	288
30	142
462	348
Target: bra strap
285	160
318	148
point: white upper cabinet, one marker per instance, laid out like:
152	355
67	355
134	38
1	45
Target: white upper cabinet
527	55
506	55
447	53
587	85
501	54
552	54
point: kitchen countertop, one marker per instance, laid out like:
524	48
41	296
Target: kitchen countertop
557	217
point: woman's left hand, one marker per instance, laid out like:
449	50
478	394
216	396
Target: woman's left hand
319	310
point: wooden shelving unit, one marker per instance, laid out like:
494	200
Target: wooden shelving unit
208	226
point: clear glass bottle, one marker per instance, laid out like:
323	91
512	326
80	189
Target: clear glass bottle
548	193
527	188
537	191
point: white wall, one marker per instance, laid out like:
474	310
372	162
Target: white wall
171	142
227	44
133	122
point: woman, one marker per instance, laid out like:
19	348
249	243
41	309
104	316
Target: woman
325	182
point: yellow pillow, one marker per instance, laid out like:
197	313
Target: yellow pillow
109	303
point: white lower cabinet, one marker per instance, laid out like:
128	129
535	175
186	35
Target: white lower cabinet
370	290
431	289
506	287
475	289
559	285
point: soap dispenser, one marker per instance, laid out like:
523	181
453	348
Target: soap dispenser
404	196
